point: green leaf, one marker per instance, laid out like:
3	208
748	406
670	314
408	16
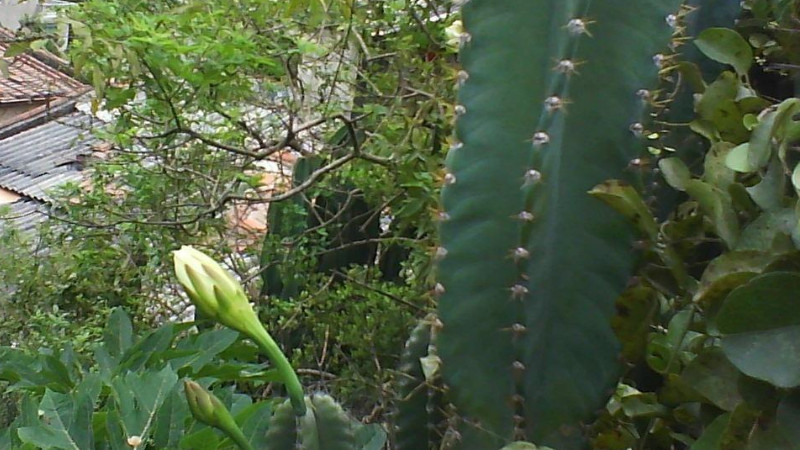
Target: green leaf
675	172
204	439
796	177
727	272
254	421
16	48
717	206
65	423
625	199
768	194
138	397
760	324
712	376
636	308
787	417
739	160
203	348
154	342
712	435
760	148
370	437
726	46
118	333
169	425
666	351
771	231
46	437
715	170
720	113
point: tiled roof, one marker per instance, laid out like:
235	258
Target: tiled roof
30	79
40	158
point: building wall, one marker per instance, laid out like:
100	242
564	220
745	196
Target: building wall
7	197
9	112
12	11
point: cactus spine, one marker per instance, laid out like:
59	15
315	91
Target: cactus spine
554	101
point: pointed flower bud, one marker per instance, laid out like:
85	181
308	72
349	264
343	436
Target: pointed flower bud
214	291
218	296
202	404
208	409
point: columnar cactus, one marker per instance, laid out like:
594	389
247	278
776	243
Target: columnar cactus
420	404
324	426
555	98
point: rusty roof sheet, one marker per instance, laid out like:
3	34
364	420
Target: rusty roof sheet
41	158
31	79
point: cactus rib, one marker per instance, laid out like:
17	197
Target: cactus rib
555	102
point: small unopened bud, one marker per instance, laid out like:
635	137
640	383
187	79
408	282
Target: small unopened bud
134	441
208	409
201	403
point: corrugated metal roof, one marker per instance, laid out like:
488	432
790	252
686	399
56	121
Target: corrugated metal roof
30	79
38	159
23	215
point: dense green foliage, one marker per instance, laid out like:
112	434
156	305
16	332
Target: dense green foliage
203	98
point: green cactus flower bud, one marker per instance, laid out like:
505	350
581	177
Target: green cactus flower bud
200	403
217	295
208	409
213	290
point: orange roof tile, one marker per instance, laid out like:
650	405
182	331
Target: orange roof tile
30	79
